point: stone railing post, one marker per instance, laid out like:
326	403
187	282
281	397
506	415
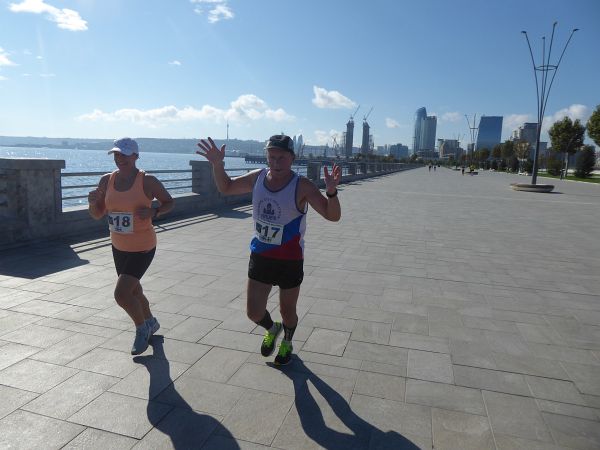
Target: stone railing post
30	196
363	168
203	181
351	168
313	171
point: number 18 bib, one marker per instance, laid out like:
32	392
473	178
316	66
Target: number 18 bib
120	222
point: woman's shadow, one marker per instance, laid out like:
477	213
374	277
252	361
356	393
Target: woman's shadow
186	428
364	435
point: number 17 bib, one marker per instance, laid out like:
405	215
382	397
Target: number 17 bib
269	233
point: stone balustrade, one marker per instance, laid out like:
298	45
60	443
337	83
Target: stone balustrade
31	197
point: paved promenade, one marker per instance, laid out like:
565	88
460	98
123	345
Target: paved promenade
443	311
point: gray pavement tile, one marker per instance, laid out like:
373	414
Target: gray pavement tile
511	344
11	353
567	409
106	362
389	415
459	333
14	320
585	377
329	342
492	380
489	324
372	315
92	439
27	431
515	416
377	353
264	378
592	400
556	390
327	322
337	361
40	308
121	414
13	399
430	366
216	442
238	321
454	430
35	376
386	369
541	334
43	287
566	354
219	364
410	323
37	336
247	421
475	354
233	340
445	396
76	313
201	395
67	398
69	349
326	370
380	385
530	365
419	342
173	303
324	306
192	329
14	297
506	442
182	428
377	333
151	377
113	329
573	432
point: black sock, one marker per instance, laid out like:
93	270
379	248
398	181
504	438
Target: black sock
288	333
266	322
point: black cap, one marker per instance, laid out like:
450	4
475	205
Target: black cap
281	141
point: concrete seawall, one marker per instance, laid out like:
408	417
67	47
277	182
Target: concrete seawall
31	197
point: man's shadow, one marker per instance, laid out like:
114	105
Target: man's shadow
186	428
364	435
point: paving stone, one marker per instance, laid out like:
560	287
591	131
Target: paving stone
374	332
506	442
121	414
573	432
419	342
445	396
25	430
70	396
530	365
201	395
216	442
11	353
327	341
566	409
371	315
585	377
247	420
13	399
219	364
515	416
410	323
328	322
192	329
453	430
492	380
430	366
106	362
68	349
557	390
475	354
35	376
14	320
377	353
233	340
380	385
92	439
337	361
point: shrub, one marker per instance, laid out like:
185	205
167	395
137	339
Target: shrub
586	159
554	165
527	166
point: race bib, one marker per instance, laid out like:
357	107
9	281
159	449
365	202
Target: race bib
269	233
120	222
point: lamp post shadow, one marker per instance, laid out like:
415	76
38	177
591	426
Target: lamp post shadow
364	435
182	426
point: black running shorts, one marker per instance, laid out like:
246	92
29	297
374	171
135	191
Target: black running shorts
132	263
286	274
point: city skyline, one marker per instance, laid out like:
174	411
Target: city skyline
186	69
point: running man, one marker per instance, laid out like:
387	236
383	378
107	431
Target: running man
280	199
125	196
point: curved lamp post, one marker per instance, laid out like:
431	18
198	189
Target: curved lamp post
542	87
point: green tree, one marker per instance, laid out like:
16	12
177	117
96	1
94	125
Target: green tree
508	150
586	160
566	137
497	151
593	126
553	164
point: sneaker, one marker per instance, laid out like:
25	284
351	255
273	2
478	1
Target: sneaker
268	343
153	325
284	356
142	335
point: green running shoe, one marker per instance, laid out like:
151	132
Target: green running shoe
284	356
268	343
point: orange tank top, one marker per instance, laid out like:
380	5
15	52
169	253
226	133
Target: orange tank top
127	232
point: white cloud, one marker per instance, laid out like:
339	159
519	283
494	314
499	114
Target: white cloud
245	108
174	63
324	137
4	59
391	123
514	121
47	75
218	10
26	75
3	78
454	116
330	99
66	19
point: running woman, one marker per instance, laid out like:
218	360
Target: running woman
125	197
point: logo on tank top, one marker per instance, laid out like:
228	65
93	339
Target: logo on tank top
269	210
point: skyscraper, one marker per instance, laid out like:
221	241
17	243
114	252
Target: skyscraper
490	132
425	129
365	147
420	115
349	137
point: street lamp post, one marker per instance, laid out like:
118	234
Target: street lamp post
542	88
473	130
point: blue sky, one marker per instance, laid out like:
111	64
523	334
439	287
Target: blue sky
183	68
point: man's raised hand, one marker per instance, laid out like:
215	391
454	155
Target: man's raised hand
333	179
209	150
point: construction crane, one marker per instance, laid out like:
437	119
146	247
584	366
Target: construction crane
335	145
352	115
368	114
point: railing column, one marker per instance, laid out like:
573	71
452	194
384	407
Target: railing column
203	181
313	171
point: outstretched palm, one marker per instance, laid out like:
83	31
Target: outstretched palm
210	151
333	179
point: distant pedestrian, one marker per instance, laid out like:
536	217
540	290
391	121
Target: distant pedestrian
463	170
125	197
280	199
